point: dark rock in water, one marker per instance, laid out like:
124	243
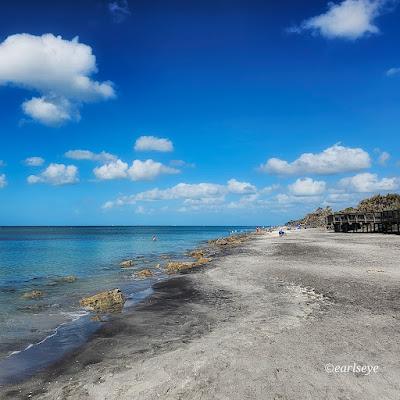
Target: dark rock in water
8	290
68	279
110	301
127	263
33	295
144	273
34	308
97	318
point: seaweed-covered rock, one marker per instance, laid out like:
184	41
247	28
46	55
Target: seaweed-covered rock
68	279
202	261
34	308
197	253
177	266
109	301
33	295
144	273
230	240
127	264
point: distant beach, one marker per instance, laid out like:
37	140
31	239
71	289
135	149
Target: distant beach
266	318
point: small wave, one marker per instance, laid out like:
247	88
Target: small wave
74	316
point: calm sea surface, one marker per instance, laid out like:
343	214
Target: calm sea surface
37	258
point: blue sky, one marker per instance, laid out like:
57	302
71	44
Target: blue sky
246	112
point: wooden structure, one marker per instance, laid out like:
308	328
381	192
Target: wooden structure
383	222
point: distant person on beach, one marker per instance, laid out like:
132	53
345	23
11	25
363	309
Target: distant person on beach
281	232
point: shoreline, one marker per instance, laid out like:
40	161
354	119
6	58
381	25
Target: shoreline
38	356
260	321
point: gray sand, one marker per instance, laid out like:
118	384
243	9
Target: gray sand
260	322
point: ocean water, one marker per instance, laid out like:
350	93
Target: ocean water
34	332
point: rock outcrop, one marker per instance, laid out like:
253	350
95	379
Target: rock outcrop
197	253
144	273
201	261
127	264
109	301
67	279
178	266
33	295
233	240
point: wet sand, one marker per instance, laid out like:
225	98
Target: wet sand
261	321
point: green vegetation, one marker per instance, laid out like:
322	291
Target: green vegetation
377	203
315	219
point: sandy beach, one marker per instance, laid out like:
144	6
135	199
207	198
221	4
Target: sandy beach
273	318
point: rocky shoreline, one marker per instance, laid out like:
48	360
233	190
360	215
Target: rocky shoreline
263	319
113	300
108	304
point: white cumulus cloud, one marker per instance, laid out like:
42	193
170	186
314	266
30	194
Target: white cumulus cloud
58	69
138	171
149	170
152	143
235	186
184	191
349	19
307	187
367	183
89	155
333	160
51	111
34	161
56	174
197	195
112	170
3	181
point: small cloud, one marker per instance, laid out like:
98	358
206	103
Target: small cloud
349	19
139	170
119	9
3	181
89	155
152	143
34	161
56	174
235	186
148	170
368	183
333	160
112	170
181	164
269	189
51	111
393	72
383	158
307	187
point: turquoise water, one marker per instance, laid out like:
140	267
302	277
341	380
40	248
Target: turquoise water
36	258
